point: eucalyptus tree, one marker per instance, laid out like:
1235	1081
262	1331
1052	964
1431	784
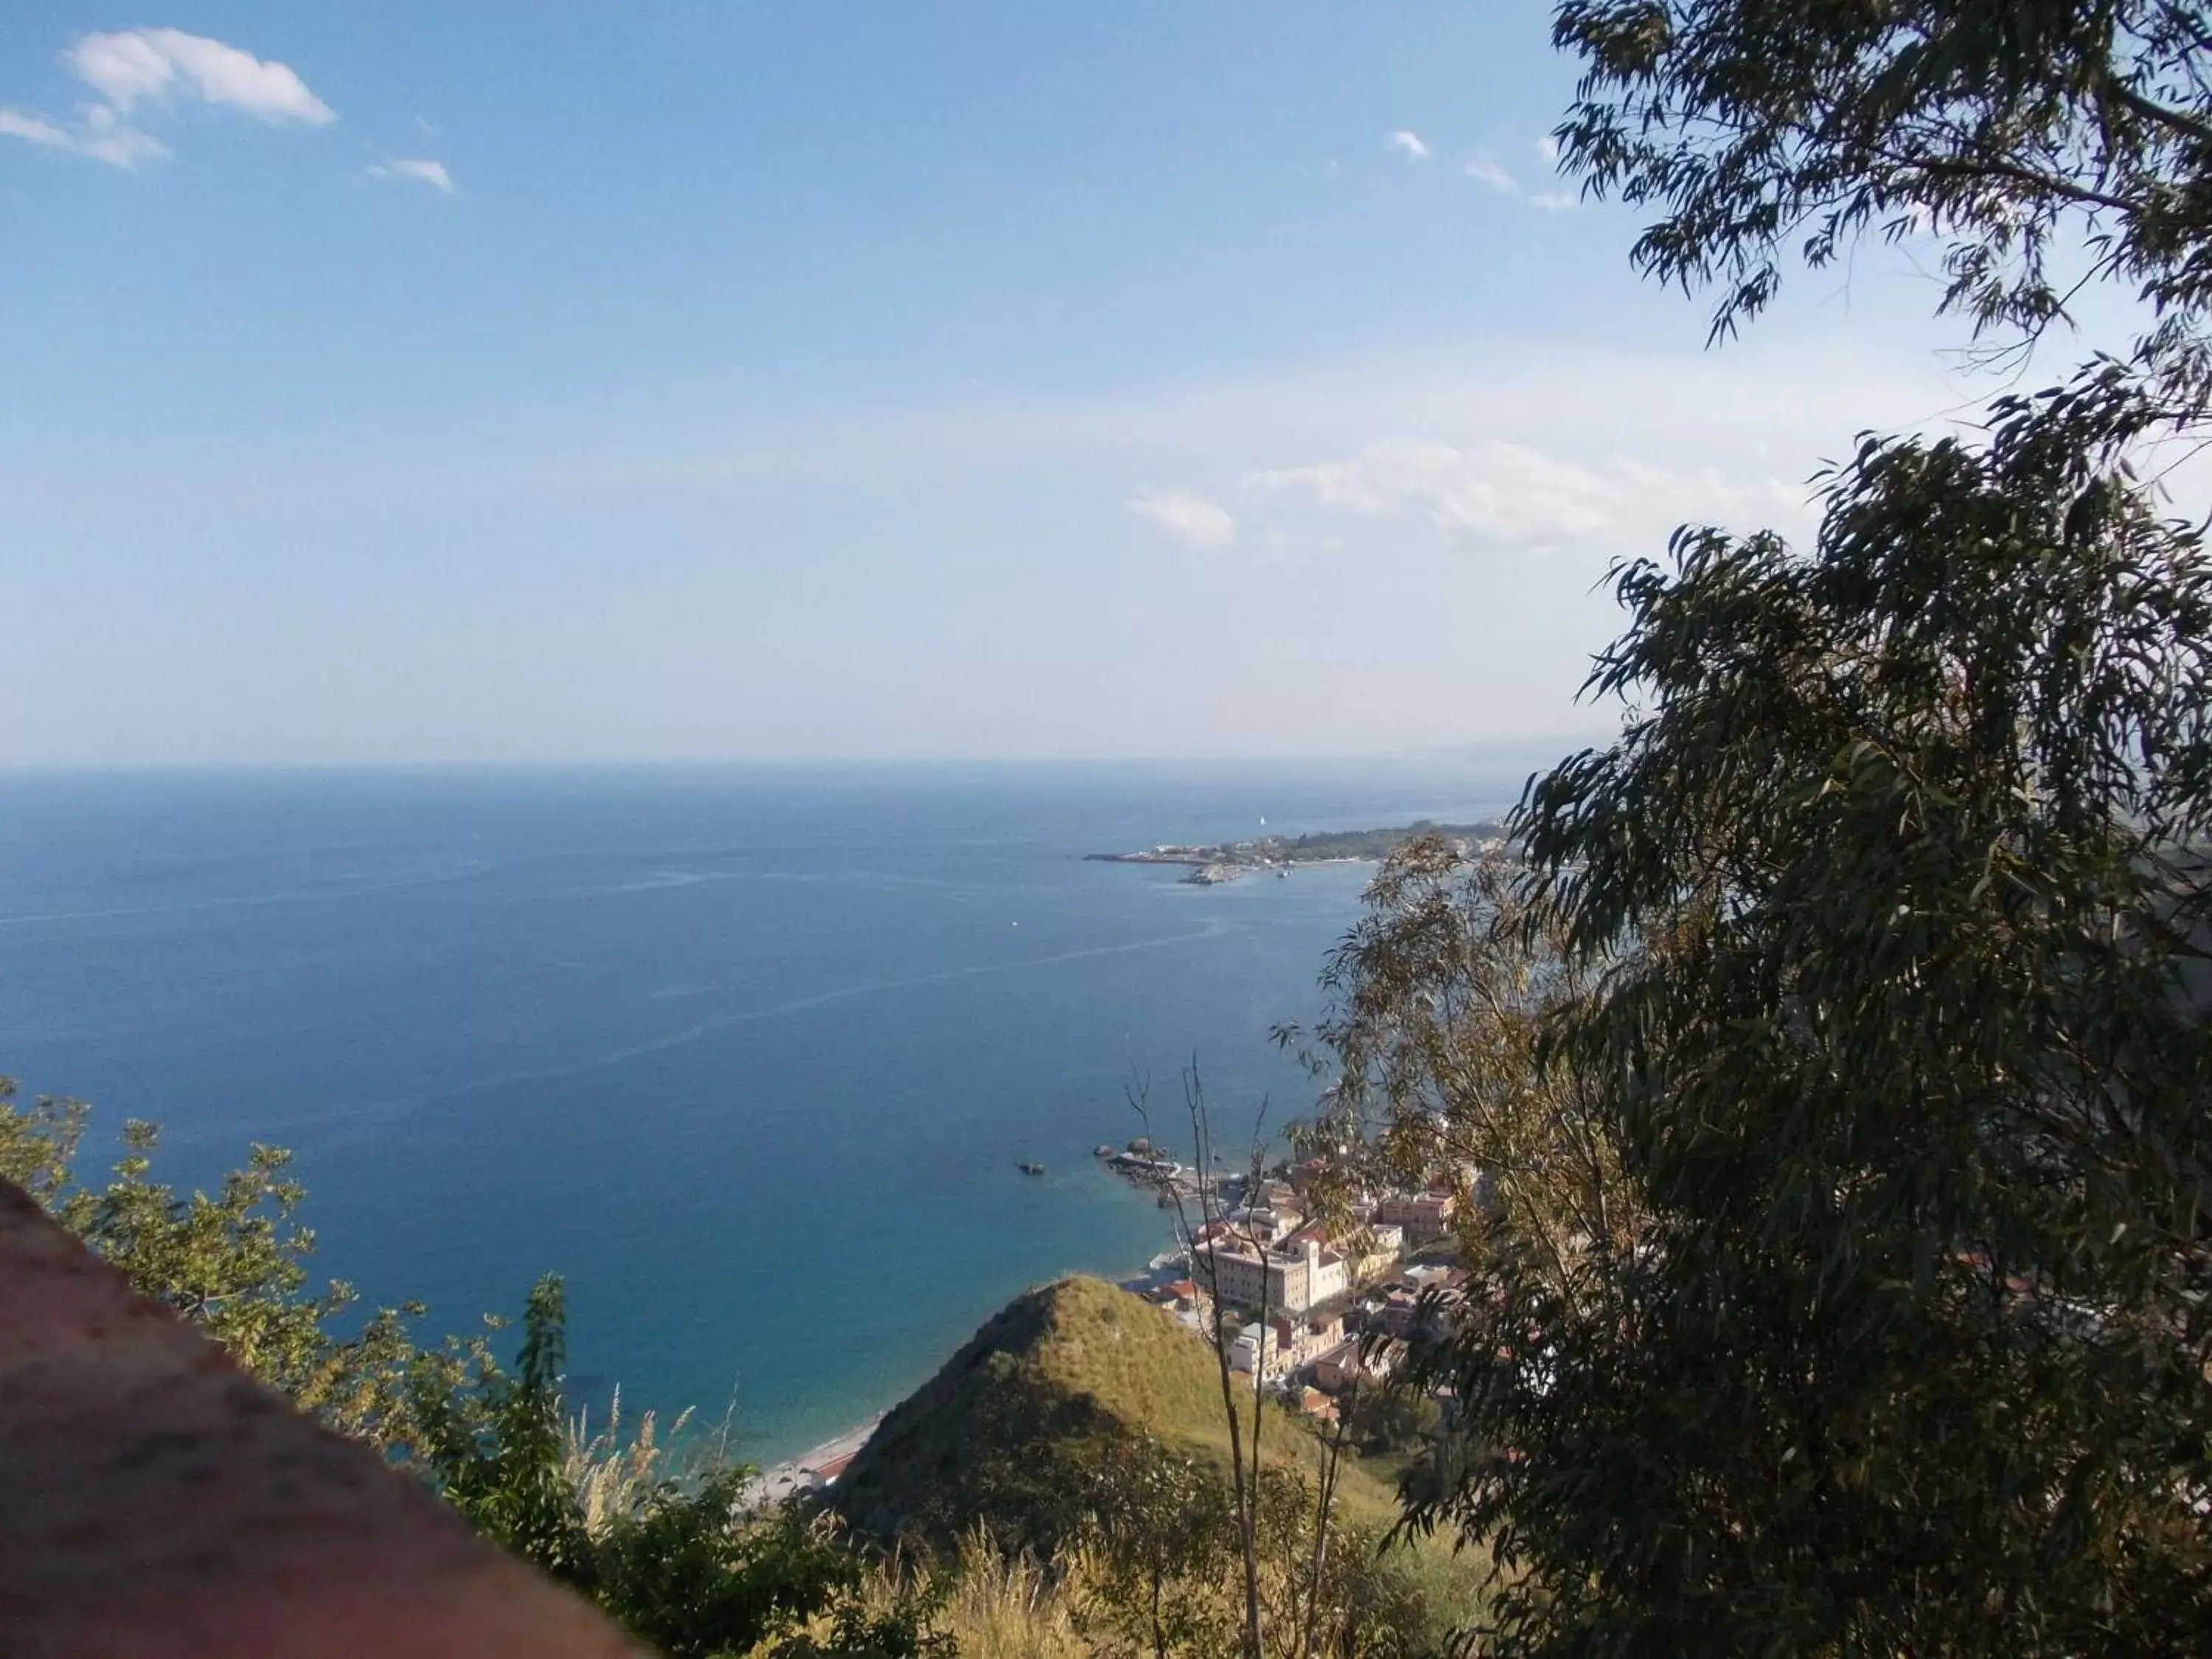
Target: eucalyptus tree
1900	891
1890	904
1432	1047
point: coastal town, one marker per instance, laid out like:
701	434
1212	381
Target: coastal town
1320	1307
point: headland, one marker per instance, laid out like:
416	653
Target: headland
1213	863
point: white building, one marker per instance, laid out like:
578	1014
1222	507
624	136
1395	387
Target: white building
1261	1346
1328	1275
1284	1344
1291	1281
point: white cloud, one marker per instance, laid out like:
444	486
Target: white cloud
1408	144
1487	169
118	143
1498	495
101	135
1547	149
1191	520
432	174
137	65
162	67
32	129
106	137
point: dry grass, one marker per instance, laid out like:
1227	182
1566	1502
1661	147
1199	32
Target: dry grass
993	1605
1010	1607
613	1476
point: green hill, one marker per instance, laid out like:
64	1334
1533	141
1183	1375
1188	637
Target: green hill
1018	1424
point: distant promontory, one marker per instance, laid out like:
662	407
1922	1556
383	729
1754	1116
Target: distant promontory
1214	862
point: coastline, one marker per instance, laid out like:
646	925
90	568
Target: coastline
812	1470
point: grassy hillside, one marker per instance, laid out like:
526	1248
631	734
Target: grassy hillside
1012	1428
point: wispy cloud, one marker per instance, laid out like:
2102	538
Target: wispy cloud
1191	520
1408	144
134	71
1504	495
1485	168
106	137
432	174
33	130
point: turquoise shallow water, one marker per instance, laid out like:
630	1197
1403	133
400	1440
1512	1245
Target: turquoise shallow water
748	1055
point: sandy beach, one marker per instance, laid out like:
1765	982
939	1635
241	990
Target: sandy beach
810	1470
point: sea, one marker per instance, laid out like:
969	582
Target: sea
749	1056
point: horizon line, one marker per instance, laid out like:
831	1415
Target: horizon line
1568	742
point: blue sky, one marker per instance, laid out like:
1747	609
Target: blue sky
845	380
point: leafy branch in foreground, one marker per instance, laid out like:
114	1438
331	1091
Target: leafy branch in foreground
2044	147
1436	1068
234	1263
1881	935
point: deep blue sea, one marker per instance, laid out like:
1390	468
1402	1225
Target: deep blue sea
748	1055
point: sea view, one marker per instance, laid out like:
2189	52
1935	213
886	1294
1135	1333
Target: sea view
672	668
750	1055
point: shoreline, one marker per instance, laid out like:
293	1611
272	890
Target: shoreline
812	1470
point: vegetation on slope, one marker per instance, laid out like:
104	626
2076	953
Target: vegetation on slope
1084	1428
1017	1427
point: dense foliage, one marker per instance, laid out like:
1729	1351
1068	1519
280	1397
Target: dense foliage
1865	975
1902	1041
1434	1054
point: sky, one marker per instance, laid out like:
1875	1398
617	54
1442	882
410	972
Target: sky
545	381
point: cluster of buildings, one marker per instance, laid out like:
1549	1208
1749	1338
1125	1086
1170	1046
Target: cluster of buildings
1267	1253
1326	1288
1324	1352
